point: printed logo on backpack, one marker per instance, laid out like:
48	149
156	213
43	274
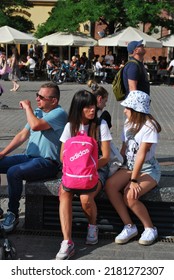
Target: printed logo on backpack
80	162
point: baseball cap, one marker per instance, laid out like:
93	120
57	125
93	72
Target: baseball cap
137	100
133	45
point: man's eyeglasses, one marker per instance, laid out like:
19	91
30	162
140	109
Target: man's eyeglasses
41	97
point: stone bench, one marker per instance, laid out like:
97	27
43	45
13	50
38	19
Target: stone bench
42	206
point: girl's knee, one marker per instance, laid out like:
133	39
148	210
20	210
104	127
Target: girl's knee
86	201
128	200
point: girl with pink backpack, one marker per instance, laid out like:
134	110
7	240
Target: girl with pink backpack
83	117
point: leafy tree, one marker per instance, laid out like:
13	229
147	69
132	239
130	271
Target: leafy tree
148	11
117	14
7	16
66	15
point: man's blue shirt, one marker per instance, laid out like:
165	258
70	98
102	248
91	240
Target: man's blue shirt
136	72
46	143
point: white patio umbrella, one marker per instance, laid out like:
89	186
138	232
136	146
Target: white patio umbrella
123	37
168	41
9	35
68	39
61	39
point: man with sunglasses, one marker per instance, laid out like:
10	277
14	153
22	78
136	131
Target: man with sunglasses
41	159
134	73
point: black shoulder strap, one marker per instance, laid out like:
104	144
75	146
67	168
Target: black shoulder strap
107	117
99	120
98	136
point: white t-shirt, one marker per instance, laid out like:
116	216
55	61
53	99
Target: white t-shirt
104	132
171	63
31	63
146	134
98	65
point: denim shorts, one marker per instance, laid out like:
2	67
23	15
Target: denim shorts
152	168
103	173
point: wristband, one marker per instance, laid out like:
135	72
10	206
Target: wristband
133	180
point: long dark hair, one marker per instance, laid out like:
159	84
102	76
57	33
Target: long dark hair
15	52
137	120
82	99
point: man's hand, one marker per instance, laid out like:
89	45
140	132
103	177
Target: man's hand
35	123
1	155
25	104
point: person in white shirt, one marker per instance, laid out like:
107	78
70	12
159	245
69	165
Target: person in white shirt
170	67
31	63
100	70
109	58
141	172
83	116
101	95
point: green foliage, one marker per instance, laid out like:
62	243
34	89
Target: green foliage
3	19
141	11
117	14
21	23
5	4
67	15
18	22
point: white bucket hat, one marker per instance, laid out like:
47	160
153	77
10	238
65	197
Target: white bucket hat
137	100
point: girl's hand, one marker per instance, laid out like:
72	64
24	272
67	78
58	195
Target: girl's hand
134	189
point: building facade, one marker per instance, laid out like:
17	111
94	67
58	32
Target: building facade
39	13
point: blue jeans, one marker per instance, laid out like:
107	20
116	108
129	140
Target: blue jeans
22	167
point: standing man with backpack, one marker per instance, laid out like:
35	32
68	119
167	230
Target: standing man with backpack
134	73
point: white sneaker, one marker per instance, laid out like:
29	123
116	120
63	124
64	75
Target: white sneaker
128	232
66	250
92	235
148	236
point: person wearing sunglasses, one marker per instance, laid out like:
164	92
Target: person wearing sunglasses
41	159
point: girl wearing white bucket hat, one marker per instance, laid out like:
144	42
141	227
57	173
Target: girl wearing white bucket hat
141	172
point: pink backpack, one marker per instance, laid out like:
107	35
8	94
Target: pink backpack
80	162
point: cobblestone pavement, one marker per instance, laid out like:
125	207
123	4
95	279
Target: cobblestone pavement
12	119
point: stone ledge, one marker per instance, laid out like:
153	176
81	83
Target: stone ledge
42	198
164	192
